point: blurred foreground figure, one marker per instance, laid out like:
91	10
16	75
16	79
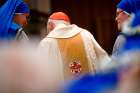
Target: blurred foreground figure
24	70
74	49
129	81
130	59
99	83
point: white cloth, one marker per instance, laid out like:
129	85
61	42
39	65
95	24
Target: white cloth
95	54
64	31
21	36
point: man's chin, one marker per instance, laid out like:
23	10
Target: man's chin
119	28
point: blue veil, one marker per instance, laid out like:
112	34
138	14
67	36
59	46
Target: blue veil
98	83
136	20
130	6
7	11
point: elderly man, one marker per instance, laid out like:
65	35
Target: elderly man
124	10
74	49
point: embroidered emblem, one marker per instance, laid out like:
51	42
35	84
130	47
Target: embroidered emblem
75	67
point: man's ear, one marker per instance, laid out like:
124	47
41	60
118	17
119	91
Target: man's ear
50	26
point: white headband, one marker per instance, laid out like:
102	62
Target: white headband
57	22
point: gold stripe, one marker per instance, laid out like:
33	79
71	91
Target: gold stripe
73	49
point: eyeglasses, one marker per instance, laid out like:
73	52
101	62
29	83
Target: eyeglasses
119	12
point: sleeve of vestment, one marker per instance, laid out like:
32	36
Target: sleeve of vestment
98	55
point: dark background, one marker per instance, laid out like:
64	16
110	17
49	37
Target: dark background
97	16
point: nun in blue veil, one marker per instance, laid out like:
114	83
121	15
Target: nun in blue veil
7	12
128	7
20	20
133	40
131	46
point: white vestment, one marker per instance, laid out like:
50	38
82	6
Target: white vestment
96	56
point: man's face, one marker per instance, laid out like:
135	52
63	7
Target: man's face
121	17
21	19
